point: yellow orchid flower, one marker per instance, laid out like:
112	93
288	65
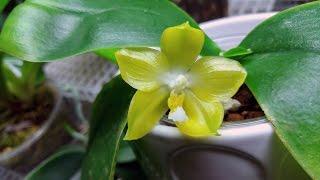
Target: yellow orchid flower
175	79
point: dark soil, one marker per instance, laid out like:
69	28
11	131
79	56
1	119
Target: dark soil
249	107
204	10
23	119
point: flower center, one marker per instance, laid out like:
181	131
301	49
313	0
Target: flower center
180	83
175	101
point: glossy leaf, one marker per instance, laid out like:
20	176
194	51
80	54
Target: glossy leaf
3	4
109	54
109	118
62	165
236	52
4	95
45	30
283	74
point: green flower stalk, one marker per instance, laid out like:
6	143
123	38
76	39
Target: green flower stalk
176	79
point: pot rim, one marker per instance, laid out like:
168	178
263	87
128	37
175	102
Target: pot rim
4	157
232	19
248	127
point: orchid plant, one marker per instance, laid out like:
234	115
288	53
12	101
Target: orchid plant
20	82
18	79
281	58
174	78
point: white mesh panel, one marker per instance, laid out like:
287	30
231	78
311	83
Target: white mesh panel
81	76
239	7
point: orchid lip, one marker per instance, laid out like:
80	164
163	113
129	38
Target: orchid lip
179	115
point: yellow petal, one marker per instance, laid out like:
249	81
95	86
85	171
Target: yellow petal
182	44
216	78
146	109
203	118
141	67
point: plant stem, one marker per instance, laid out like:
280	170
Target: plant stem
31	72
26	88
4	94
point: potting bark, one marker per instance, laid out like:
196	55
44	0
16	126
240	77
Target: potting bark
21	120
249	108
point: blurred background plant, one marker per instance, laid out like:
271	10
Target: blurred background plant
20	82
25	102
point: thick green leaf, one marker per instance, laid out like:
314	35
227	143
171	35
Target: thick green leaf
108	53
3	4
62	165
295	28
44	30
284	76
106	126
3	85
236	52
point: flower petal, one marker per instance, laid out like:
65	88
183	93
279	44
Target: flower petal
204	118
146	109
216	78
140	67
182	44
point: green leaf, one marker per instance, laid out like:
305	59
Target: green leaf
62	165
45	30
106	126
283	74
3	85
3	4
108	54
236	52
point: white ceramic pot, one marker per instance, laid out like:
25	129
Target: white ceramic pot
246	150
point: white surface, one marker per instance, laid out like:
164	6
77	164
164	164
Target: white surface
240	7
228	32
81	77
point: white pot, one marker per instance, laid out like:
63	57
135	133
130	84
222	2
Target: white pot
247	150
